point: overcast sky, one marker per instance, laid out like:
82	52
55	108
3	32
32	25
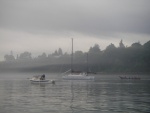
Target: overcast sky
39	26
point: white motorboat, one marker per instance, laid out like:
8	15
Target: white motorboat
39	79
77	75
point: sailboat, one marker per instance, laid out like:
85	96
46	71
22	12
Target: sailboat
77	75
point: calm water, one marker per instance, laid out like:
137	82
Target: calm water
106	94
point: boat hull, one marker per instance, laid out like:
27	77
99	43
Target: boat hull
78	77
39	81
132	78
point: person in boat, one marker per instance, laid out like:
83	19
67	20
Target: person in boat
42	77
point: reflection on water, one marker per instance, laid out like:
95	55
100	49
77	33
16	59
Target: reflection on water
110	95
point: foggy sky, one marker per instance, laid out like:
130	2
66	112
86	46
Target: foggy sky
44	25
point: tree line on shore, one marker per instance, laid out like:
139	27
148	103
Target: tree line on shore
135	58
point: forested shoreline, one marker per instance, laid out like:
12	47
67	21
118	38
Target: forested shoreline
122	59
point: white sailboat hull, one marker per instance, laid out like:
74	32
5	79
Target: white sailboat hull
78	77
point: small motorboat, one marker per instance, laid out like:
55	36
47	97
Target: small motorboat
39	79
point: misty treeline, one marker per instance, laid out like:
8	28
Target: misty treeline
122	59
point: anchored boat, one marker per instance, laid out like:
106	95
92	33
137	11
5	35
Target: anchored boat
80	76
77	75
39	79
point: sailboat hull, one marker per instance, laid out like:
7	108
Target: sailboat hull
78	77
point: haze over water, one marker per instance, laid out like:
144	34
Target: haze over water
106	94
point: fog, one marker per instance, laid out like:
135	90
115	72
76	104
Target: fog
43	26
132	59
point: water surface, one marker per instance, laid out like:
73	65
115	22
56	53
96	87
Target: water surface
107	94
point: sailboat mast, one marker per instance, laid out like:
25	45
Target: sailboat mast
72	57
87	63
